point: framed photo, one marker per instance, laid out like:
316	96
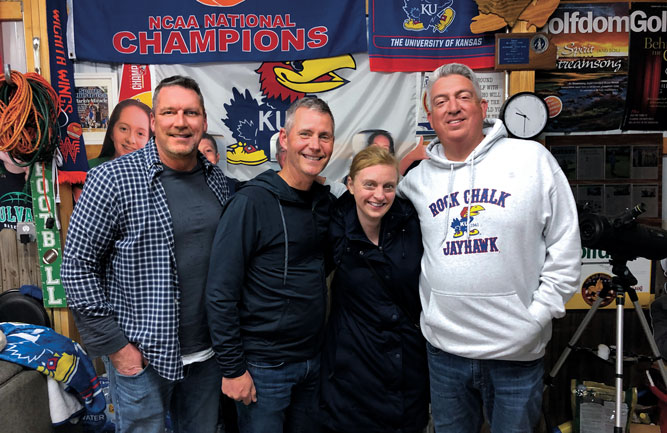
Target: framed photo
645	162
96	95
567	159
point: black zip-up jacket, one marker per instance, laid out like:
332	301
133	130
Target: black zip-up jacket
374	374
266	293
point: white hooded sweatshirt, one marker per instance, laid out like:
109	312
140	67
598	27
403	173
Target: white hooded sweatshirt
501	247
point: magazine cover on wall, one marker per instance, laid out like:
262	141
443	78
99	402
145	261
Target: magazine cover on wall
96	96
247	107
646	104
586	91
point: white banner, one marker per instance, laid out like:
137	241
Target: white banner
246	102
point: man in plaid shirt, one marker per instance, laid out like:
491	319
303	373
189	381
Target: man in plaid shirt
135	266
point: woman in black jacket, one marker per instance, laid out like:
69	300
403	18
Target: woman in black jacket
374	371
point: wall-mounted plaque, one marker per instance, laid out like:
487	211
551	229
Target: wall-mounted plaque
524	51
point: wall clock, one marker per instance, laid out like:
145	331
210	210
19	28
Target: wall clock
525	115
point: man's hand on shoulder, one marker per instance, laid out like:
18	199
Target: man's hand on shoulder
128	361
240	388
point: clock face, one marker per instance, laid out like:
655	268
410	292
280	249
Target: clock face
525	115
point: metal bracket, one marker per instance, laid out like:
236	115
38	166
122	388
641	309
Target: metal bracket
25	232
8	73
35	53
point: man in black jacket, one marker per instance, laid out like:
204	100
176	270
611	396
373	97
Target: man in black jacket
266	292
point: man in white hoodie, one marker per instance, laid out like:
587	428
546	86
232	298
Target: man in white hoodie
501	259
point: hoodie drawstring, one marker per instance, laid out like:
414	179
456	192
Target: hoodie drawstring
449	190
403	242
472	185
282	218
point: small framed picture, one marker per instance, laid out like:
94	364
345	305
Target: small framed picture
96	96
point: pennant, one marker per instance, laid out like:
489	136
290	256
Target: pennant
135	83
72	147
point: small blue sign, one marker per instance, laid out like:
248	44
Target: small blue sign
513	51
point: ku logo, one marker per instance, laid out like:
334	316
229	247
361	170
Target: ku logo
61	367
424	14
253	122
465	223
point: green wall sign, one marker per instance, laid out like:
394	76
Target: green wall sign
48	235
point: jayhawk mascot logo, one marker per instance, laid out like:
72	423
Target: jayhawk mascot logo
437	15
253	122
465	223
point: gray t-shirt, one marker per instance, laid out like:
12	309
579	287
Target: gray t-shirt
195	212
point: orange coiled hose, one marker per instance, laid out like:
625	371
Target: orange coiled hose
29	110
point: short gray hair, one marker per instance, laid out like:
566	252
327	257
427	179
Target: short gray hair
453	69
311	103
179	80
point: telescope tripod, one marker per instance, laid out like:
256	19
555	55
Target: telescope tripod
622	283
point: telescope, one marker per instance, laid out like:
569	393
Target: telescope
624	239
622	235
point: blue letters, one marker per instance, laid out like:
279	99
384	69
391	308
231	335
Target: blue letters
471	246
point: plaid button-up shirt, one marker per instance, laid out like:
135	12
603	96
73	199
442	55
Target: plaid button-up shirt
119	257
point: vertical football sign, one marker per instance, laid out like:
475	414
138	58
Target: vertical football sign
48	236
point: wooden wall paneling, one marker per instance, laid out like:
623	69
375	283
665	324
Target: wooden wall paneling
92	150
18	262
521	81
28	30
9	263
10	11
34	25
65	210
28	264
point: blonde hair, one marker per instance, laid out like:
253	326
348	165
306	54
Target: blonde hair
370	156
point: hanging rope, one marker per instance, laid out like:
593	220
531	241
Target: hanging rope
28	118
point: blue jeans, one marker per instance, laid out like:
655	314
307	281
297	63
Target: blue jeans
287	396
142	401
510	393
